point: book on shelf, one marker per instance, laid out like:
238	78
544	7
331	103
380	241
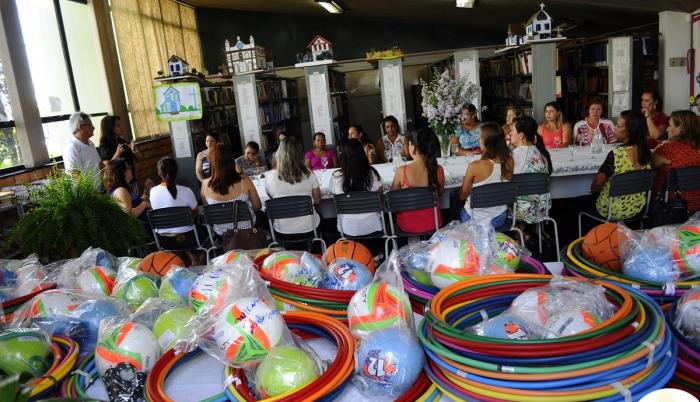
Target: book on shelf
558	90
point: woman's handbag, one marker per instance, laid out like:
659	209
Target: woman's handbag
243	239
669	212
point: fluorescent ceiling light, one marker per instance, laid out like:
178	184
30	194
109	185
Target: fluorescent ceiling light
330	6
465	3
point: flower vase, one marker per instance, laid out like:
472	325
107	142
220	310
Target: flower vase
444	147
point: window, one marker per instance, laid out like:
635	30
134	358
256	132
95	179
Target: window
10	155
65	64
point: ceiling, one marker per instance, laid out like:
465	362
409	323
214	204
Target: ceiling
598	15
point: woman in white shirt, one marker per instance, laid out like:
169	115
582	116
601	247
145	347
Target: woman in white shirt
170	194
356	174
293	177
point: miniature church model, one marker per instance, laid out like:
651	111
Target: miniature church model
177	66
244	58
539	26
516	34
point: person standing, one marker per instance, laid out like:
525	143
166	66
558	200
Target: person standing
112	143
80	155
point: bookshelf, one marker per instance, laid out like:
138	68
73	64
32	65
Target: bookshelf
506	79
219	115
278	108
338	86
583	69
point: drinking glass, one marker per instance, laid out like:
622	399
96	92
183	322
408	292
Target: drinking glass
572	152
557	141
324	162
387	155
455	149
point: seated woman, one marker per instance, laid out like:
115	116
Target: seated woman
357	132
117	176
356	174
530	156
656	120
293	177
495	166
512	113
227	185
555	132
202	163
467	133
170	194
423	171
593	124
680	150
392	142
632	154
250	160
314	157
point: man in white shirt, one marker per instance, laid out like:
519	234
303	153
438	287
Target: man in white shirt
80	155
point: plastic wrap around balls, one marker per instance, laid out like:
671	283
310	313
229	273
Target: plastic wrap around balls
507	326
206	287
91	313
284	369
532	305
688	316
137	290
453	260
507	252
344	274
24	352
96	280
290	267
176	284
686	250
570	323
377	306
29	286
246	330
171	327
655	265
54	303
389	362
130	342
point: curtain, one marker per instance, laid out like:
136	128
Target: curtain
147	33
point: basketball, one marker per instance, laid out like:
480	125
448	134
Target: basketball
350	250
601	246
160	262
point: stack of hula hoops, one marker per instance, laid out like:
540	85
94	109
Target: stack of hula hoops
687	375
65	354
577	265
420	293
623	357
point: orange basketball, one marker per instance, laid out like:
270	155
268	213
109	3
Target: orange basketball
350	250
601	246
160	262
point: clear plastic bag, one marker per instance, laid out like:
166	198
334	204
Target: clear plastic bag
687	319
299	267
132	286
22	277
71	271
25	350
122	340
176	284
388	356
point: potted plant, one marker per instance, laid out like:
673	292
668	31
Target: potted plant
69	215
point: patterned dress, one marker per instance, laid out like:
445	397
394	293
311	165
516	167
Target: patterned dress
531	208
583	133
626	206
680	155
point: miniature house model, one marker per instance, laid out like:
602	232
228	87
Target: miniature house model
244	58
320	48
539	26
516	34
177	66
172	101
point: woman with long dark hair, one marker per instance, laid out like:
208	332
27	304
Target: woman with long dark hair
495	166
227	185
356	174
293	177
314	157
112	143
467	132
117	176
355	131
633	154
656	120
423	171
530	156
202	163
392	139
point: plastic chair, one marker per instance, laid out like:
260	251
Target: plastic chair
636	181
683	179
537	184
409	199
172	217
292	207
222	214
497	194
360	202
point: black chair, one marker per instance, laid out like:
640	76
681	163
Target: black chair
172	217
537	184
409	199
360	202
494	195
292	207
683	179
223	214
636	181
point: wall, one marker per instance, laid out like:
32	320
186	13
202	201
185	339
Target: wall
674	41
287	35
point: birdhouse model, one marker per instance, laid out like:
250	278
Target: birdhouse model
177	66
244	58
539	26
320	48
516	32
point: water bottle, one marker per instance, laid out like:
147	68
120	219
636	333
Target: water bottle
597	143
396	158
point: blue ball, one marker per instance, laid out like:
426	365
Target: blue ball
105	260
418	261
8	278
182	281
344	274
91	313
507	326
653	264
389	361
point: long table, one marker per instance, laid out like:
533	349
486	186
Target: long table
570	178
